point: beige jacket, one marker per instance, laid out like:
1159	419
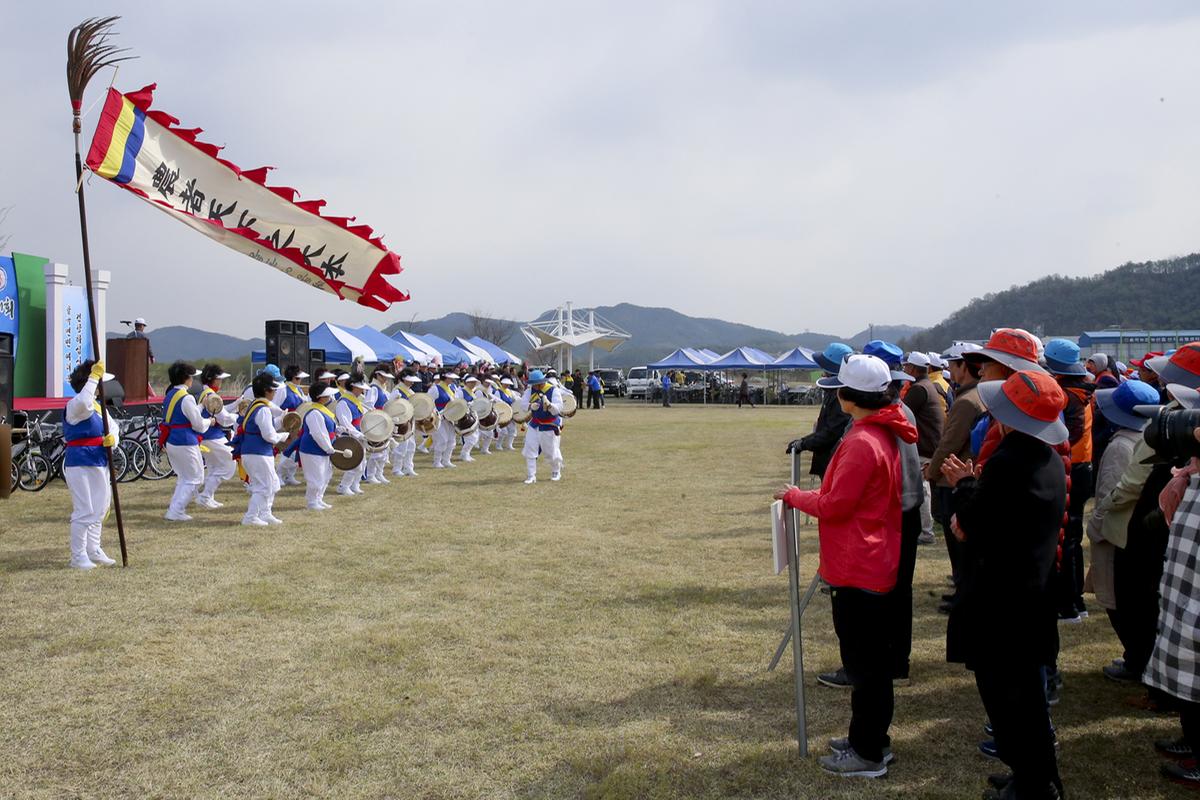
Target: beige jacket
1115	509
1116	461
956	432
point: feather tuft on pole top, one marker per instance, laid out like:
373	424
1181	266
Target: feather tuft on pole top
89	51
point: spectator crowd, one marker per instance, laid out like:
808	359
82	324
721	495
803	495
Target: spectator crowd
1001	446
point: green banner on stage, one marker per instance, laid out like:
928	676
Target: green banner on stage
29	378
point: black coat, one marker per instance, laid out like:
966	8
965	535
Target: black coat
1005	612
832	424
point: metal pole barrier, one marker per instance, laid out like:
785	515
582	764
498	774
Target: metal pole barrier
797	644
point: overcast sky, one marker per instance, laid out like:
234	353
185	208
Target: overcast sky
796	165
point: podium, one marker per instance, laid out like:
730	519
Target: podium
129	361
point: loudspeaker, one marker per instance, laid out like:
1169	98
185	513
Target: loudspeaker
6	379
287	342
316	362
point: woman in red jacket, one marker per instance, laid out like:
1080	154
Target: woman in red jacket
858	514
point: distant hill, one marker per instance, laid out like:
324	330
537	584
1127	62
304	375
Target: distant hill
178	341
1152	294
656	332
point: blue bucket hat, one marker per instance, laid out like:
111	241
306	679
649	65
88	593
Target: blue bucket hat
830	359
273	371
890	354
1062	358
537	376
1118	404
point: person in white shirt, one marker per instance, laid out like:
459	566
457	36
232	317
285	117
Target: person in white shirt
258	437
349	411
185	426
218	456
85	465
278	394
444	435
508	434
545	428
376	398
316	446
403	452
469	441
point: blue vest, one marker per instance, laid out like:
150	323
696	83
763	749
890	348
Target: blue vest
181	427
355	414
307	443
507	397
381	397
292	399
253	443
543	420
214	431
442	398
85	455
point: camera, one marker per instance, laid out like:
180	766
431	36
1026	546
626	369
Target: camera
1171	433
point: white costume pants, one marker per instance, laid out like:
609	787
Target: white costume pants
402	457
318	472
485	440
547	442
90	495
219	464
508	435
189	470
376	463
286	468
444	438
468	444
264	484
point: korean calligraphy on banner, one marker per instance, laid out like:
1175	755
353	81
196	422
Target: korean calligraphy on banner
8	297
144	151
76	340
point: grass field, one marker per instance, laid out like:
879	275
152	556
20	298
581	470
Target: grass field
461	635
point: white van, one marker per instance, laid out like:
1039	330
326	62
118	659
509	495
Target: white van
639	380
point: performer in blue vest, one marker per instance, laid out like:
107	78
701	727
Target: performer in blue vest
294	396
445	434
184	426
316	446
85	465
403	452
218	457
545	428
376	398
504	390
468	391
349	411
256	440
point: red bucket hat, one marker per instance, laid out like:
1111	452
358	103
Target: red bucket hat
1182	366
1141	362
1013	348
1031	402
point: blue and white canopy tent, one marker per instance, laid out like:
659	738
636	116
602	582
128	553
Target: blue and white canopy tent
416	343
796	358
499	354
451	354
473	349
341	345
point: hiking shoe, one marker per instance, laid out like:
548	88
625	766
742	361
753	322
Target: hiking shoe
1053	692
842	744
834	680
1185	772
1121	675
988	730
926	538
988	749
850	764
1171	748
1070	617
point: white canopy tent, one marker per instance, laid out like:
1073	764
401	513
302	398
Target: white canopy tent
567	328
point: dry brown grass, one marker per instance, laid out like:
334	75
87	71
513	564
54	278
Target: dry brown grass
462	635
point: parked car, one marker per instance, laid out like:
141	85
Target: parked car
614	382
639	380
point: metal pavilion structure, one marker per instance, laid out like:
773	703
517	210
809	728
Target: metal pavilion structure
566	328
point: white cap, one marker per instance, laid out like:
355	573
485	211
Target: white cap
139	321
387	375
359	385
106	377
196	374
220	376
329	391
326	375
472	379
410	379
507	381
935	360
946	374
450	375
956	350
862	372
302	374
917	359
345	376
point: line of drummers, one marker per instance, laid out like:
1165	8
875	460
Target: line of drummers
363	423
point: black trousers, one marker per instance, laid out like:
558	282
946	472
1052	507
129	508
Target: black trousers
900	599
1014	697
941	504
744	398
1137	570
1070	575
858	617
593	398
1189	718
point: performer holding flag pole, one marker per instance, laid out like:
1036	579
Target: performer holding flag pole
88	52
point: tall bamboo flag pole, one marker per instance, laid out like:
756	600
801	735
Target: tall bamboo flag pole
88	52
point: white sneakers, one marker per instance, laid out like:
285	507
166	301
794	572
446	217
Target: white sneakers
173	517
81	562
556	476
209	502
254	522
98	556
531	479
272	519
